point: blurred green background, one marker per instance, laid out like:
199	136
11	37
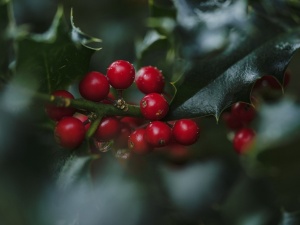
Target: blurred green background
41	183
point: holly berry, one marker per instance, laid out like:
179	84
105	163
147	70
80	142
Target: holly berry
154	106
109	99
108	129
243	112
231	121
55	112
158	134
150	80
132	122
84	120
137	142
178	153
121	141
186	131
243	139
94	86
272	82
69	132
120	74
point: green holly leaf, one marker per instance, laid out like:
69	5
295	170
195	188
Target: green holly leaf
211	85
55	59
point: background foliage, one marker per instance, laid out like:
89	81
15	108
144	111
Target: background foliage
212	51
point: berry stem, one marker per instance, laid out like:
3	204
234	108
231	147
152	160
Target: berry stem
86	105
93	127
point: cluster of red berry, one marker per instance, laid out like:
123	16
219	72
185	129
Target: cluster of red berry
240	116
139	134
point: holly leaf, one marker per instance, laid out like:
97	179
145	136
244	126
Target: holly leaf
211	85
55	59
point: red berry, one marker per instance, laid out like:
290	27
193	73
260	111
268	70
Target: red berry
137	142
271	82
154	106
94	86
231	121
69	132
120	74
150	80
243	139
178	152
132	122
243	112
186	131
109	99
57	113
84	120
287	78
121	141
158	134
108	129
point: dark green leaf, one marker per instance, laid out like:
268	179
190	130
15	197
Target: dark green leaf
213	84
55	59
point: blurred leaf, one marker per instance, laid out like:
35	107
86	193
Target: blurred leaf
197	188
161	8
275	152
56	58
277	124
204	27
212	85
5	22
283	12
290	218
74	170
103	197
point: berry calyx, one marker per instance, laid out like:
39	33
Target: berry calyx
137	142
94	86
56	112
186	131
154	106
150	80
243	112
120	74
158	134
108	129
69	132
242	139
